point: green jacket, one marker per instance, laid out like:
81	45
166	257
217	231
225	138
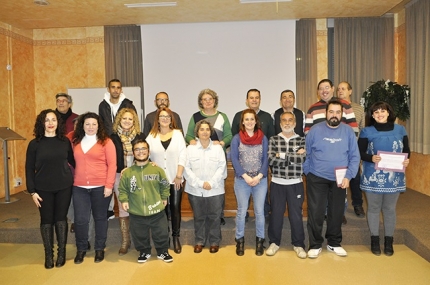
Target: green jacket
144	188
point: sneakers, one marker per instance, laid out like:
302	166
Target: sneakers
337	249
301	253
272	250
110	215
165	256
143	257
314	253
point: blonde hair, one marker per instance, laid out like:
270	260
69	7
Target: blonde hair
121	113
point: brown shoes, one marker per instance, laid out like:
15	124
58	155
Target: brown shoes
198	248
214	249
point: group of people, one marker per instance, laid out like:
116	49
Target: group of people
105	153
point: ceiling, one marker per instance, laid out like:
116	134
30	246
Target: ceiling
24	14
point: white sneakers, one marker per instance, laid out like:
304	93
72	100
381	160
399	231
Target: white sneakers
314	253
338	250
301	253
273	248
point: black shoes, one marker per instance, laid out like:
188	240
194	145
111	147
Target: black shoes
110	215
177	247
359	211
374	245
100	256
344	221
240	246
79	258
259	247
222	222
388	246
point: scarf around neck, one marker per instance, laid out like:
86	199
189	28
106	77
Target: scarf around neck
126	139
257	138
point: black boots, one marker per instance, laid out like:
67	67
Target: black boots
240	246
177	247
61	232
388	246
259	248
47	233
374	245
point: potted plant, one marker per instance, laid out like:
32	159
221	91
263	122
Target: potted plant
394	94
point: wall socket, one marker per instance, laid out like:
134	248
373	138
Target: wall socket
17	181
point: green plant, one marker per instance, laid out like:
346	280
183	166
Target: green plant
394	94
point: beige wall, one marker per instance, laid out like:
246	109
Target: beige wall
49	61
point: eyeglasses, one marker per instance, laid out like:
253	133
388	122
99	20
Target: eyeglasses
62	101
324	88
142	149
208	99
162	100
164	117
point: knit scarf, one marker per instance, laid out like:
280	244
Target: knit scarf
256	138
126	139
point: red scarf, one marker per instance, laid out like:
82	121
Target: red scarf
257	137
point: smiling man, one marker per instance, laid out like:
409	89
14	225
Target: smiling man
329	145
64	107
287	101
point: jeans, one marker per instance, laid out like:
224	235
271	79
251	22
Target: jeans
207	213
86	201
243	192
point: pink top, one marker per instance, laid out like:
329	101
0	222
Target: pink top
96	167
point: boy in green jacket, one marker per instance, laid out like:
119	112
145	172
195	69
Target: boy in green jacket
143	192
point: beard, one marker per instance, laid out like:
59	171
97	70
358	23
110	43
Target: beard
333	122
142	160
287	130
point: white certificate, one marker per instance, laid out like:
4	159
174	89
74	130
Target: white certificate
391	161
340	173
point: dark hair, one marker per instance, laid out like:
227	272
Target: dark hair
325	80
252	90
156	126
197	127
39	126
286	91
80	133
380	105
334	101
161	92
114	80
257	121
136	141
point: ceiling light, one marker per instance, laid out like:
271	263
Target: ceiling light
41	2
155	4
262	1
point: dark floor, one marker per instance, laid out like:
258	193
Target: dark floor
19	223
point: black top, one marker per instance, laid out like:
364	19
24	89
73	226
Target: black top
47	164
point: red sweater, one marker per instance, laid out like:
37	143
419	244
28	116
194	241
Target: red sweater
96	167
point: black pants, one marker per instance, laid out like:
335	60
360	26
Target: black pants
322	192
356	195
174	206
54	206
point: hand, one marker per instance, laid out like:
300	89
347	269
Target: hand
207	186
165	203
376	158
178	183
125	206
248	179
406	162
345	183
301	151
216	143
107	192
193	142
37	199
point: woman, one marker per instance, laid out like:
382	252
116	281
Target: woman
382	187
126	130
250	161
205	171
168	151
208	103
49	181
95	170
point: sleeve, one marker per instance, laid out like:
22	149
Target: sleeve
309	121
349	117
189	174
221	172
123	187
354	157
182	149
110	154
270	127
363	143
226	132
146	127
30	166
234	155
265	165
190	131
294	157
306	164
164	185
70	156
235	124
178	122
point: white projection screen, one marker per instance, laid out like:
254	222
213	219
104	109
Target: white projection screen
228	57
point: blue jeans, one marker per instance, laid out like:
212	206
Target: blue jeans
86	201
243	192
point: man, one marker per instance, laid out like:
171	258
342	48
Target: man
143	192
288	99
286	156
316	112
114	100
344	91
161	101
64	104
330	145
253	100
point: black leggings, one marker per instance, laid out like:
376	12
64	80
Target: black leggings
54	206
175	200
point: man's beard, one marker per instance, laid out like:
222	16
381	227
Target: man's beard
142	160
287	130
162	106
333	122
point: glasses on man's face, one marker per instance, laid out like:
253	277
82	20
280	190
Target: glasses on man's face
141	149
162	117
324	88
62	101
162	100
